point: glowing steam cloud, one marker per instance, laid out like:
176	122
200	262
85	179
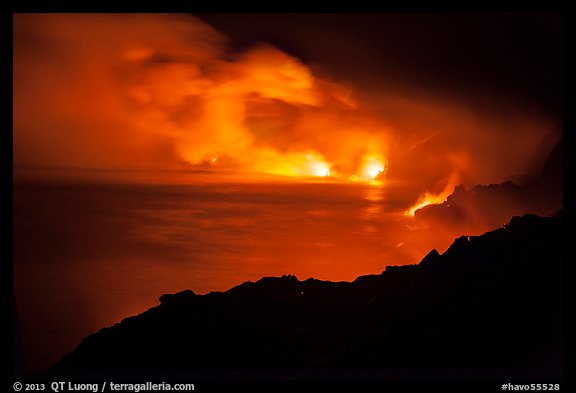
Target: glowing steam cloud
159	80
164	91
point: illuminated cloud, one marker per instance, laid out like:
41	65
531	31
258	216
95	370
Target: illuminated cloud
165	91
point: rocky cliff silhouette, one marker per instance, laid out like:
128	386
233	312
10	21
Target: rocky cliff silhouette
490	302
489	206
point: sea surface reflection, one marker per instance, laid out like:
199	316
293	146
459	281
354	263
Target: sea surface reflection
89	252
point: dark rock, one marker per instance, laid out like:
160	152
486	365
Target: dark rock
180	296
430	259
490	303
492	205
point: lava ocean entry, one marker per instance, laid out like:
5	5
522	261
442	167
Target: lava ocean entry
206	150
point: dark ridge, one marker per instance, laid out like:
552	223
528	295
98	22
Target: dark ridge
490	306
494	204
551	179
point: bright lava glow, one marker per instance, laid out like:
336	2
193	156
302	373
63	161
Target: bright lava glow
427	200
372	167
296	164
433	199
373	170
314	164
319	168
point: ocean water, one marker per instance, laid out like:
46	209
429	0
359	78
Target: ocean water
89	252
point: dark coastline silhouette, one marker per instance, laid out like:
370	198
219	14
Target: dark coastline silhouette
492	205
490	306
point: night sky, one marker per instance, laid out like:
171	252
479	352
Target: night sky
469	56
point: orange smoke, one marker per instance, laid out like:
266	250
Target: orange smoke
163	91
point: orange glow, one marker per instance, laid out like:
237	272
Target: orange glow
373	170
150	91
307	164
433	199
372	167
166	99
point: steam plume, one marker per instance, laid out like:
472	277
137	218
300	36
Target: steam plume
164	91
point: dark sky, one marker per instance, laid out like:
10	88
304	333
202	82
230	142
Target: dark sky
514	56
